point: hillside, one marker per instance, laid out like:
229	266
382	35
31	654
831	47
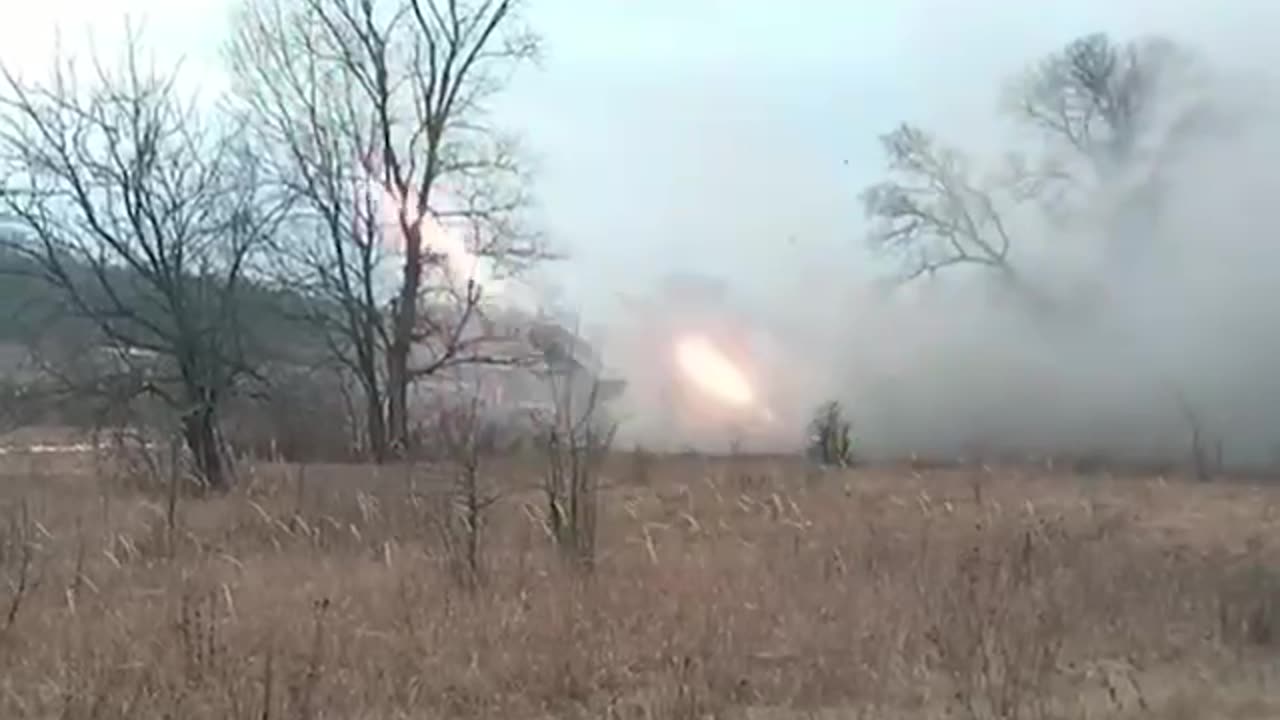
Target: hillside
30	307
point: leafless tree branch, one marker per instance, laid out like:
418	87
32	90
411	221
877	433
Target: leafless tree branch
931	213
144	219
369	109
1101	101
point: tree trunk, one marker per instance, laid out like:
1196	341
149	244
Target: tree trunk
377	426
397	430
405	318
200	431
374	435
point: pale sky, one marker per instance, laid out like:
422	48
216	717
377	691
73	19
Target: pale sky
723	136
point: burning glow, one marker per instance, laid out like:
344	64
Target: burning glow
462	264
711	372
397	213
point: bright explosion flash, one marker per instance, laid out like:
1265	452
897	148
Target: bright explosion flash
463	265
460	263
714	374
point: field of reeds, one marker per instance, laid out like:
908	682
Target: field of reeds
720	588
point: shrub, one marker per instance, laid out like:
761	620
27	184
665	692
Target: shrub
830	439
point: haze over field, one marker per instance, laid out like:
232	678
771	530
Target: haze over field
731	141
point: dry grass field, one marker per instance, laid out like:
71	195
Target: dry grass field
727	588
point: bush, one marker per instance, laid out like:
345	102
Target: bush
830	439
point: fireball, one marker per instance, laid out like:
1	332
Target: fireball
712	373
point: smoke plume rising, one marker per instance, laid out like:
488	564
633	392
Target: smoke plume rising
1181	331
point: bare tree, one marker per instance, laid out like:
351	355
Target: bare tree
576	435
1206	449
931	213
468	435
1104	110
371	110
1113	116
145	218
1100	96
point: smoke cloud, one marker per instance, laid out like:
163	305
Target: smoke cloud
1181	329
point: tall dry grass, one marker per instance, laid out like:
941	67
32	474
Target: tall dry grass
723	589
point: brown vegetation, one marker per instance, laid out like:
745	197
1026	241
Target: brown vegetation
722	588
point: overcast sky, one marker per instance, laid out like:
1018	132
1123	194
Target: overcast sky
720	136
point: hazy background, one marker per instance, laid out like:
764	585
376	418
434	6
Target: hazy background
731	140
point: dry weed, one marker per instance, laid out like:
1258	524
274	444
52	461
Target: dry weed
735	589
